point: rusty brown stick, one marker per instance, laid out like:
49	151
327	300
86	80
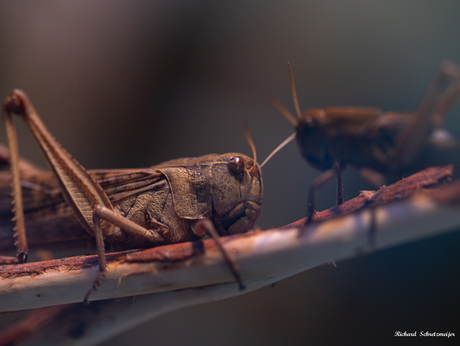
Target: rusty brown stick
197	264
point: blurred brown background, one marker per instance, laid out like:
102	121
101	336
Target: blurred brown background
133	83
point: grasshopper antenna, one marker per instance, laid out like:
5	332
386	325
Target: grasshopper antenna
247	134
294	94
278	148
283	110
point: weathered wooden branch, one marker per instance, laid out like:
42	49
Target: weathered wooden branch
190	273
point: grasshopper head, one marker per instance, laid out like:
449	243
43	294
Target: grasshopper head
311	139
309	127
237	192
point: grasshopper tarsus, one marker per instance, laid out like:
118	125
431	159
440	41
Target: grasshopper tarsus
94	287
22	257
305	227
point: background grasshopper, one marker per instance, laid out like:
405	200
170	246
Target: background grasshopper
137	208
374	141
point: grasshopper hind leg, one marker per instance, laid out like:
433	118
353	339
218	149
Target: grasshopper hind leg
18	209
442	93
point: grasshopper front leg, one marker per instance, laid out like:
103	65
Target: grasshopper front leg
82	193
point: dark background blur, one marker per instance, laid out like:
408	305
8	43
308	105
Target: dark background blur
134	83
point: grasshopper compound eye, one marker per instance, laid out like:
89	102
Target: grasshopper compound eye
236	167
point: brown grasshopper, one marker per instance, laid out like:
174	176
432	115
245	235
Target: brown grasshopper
163	204
377	142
